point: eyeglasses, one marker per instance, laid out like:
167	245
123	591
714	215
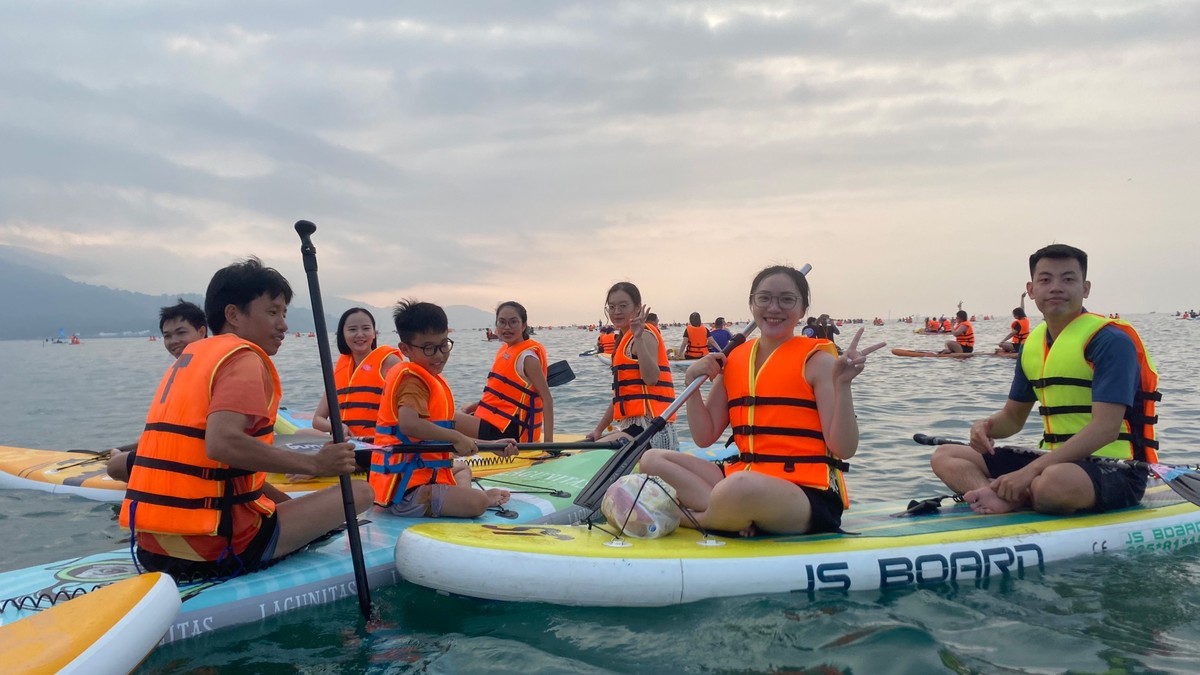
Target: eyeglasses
430	350
784	300
508	323
620	307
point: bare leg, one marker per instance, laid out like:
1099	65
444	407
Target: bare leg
963	470
693	478
466	502
746	502
305	518
1062	489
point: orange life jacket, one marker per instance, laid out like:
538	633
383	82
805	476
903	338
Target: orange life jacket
632	396
391	472
359	389
774	418
946	325
508	398
966	339
931	325
174	488
697	342
608	343
1021	329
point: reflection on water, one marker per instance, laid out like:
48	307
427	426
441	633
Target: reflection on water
1088	615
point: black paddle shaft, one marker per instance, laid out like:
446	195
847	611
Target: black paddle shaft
306	229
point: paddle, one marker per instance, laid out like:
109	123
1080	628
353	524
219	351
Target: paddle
308	252
1184	480
558	373
493	446
622	461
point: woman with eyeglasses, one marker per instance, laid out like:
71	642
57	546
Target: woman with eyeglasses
358	375
789	403
516	400
642	385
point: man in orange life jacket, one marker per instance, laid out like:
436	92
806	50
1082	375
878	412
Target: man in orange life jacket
198	502
963	334
1096	386
181	324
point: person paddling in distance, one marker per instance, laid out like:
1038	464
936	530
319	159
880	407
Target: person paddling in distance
1096	386
1016	337
418	406
642	384
788	399
963	334
720	334
697	341
516	400
198	502
181	324
358	375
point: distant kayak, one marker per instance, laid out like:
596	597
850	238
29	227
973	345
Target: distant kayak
922	353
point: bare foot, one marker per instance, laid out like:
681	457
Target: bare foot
497	497
985	500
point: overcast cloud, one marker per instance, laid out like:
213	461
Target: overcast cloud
468	153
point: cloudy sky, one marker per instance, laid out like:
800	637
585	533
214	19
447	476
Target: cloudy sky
467	153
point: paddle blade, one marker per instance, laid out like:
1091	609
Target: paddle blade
1185	481
558	373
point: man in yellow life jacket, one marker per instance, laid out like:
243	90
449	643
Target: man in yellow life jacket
1097	389
964	336
198	503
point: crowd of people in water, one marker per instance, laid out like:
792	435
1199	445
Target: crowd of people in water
198	501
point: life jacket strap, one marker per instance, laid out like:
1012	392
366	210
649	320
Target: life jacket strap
202	472
752	430
1061	381
772	400
211	503
789	461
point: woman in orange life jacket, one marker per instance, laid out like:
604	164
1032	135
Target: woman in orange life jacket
516	400
359	375
1020	330
696	339
788	477
642	384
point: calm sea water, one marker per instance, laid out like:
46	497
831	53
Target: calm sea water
1098	615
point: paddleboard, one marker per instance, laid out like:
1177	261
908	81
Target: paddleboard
322	572
83	473
606	359
923	353
578	565
109	630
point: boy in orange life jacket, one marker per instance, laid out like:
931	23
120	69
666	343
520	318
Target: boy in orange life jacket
197	499
181	324
418	406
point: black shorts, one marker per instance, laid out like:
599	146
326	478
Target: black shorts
1117	485
488	432
260	550
966	349
825	508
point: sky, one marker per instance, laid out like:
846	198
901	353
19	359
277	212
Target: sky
915	153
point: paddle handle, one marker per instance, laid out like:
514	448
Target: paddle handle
308	252
925	439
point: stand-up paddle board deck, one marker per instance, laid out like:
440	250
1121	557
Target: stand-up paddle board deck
323	572
84	474
108	631
922	353
577	565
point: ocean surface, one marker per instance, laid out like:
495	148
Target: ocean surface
1106	614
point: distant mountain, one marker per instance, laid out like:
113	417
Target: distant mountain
36	301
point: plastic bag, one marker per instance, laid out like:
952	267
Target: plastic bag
653	513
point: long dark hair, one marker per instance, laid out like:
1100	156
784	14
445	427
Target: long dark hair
342	345
520	309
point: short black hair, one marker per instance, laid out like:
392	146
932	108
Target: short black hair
188	311
962	315
342	345
238	285
412	317
1058	252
